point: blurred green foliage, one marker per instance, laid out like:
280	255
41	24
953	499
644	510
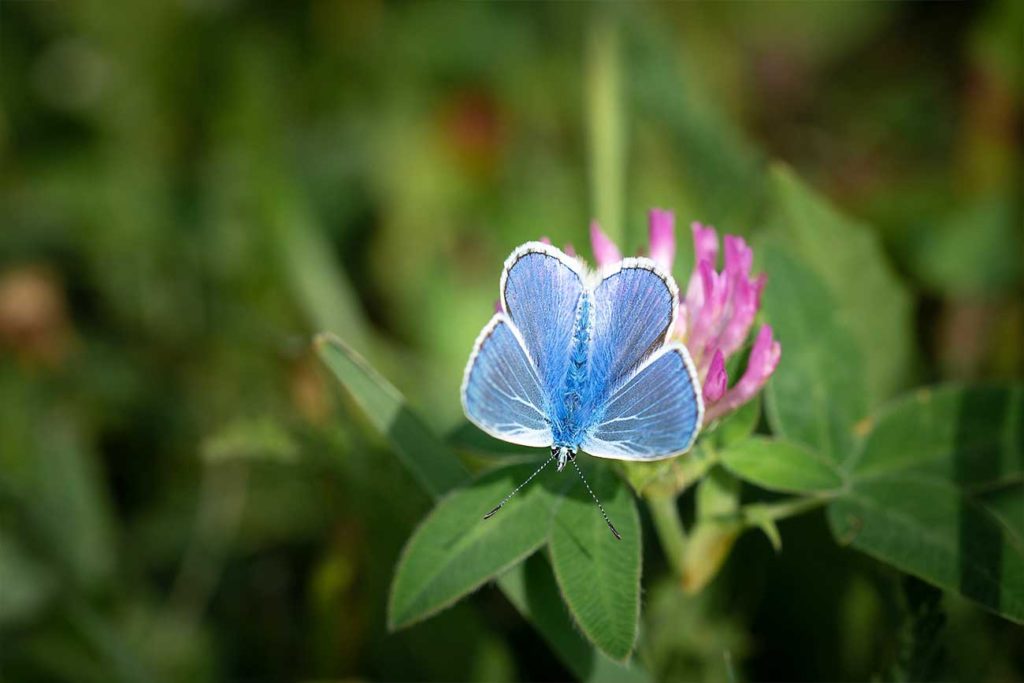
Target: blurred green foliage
191	189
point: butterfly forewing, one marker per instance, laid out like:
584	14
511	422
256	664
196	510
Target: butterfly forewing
634	310
540	292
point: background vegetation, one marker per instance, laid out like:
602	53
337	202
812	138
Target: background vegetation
191	190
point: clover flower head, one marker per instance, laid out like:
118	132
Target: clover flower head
718	311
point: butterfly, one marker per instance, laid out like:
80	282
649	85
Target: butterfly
580	361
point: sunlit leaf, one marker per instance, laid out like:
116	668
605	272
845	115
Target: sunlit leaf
780	465
870	302
598	574
816	395
422	453
455	550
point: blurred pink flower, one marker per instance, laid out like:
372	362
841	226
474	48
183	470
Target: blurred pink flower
663	238
605	251
717	313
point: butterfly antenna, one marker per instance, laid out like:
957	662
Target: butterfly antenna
516	489
592	495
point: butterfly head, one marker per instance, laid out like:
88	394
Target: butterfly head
564	455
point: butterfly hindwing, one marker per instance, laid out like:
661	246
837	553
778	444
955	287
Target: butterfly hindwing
501	390
634	310
653	415
540	292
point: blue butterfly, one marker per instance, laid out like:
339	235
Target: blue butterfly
581	361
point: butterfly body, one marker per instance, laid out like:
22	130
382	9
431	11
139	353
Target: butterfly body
581	362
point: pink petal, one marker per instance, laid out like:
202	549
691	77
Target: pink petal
717	380
764	358
497	306
569	250
705	248
738	256
705	243
605	251
545	239
708	313
745	301
662	231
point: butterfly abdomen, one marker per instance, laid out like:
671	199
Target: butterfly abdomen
566	425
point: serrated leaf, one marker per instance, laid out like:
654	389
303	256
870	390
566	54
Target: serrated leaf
870	301
455	550
971	435
599	575
531	587
421	452
926	527
817	394
780	465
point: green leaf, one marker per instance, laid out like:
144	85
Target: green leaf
70	504
816	395
598	574
780	465
975	250
455	550
971	435
718	495
926	527
1007	504
420	451
318	283
531	587
870	301
739	425
467	437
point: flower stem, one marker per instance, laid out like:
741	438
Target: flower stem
669	528
784	509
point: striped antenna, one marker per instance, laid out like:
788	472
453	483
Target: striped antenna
516	489
592	495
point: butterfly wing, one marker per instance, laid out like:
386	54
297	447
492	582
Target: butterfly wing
634	311
501	390
653	415
540	293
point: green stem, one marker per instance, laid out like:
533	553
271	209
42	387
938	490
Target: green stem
784	509
669	528
605	124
